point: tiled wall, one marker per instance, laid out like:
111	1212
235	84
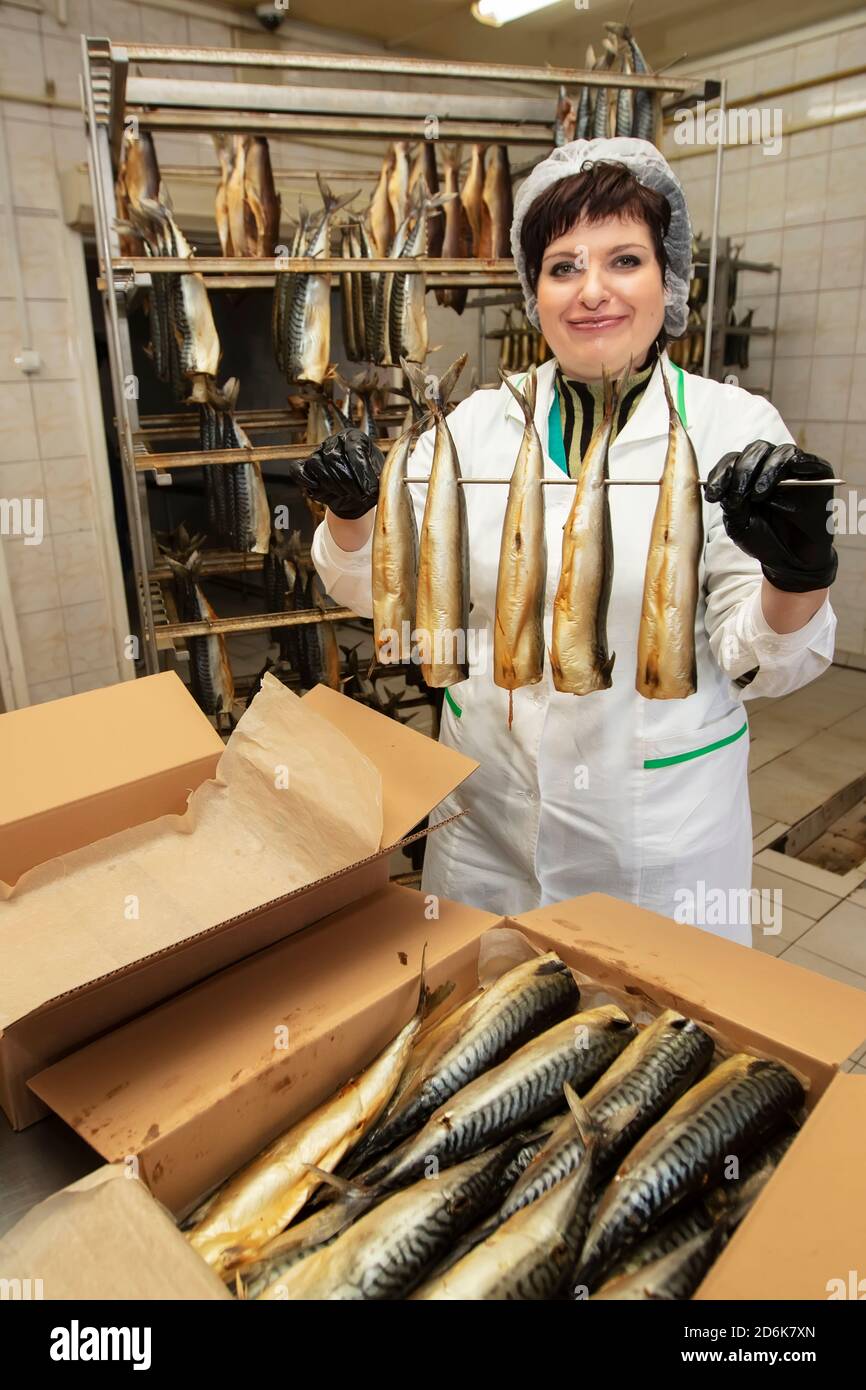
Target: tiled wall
805	209
67	591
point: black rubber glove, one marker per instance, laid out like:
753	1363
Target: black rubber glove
787	529
343	474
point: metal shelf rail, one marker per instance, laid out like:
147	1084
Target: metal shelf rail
500	106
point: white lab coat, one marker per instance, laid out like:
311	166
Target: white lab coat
593	793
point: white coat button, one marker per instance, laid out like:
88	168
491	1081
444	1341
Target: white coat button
531	796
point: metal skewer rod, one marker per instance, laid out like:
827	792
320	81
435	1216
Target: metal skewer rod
635	482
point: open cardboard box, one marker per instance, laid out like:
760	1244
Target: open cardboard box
92	989
189	1091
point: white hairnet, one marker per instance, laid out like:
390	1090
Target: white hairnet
651	169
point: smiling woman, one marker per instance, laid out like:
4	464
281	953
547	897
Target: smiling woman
619	764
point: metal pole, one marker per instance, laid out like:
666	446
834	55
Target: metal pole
102	183
414	67
714	239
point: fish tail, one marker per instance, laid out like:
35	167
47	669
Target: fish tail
342	1186
672	410
612	388
424	386
332	202
586	1126
525	398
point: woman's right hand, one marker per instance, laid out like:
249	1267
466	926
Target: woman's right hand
343	474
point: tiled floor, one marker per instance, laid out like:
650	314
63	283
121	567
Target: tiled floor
805	747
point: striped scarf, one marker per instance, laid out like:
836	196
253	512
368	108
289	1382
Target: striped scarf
581	409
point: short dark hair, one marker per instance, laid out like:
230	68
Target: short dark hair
598	191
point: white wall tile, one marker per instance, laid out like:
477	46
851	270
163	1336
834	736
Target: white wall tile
805	192
801	257
829	387
57	407
842	254
77	17
852	48
766	195
791	385
90	639
95	680
63	66
204	33
699	197
847	133
10	340
13	18
817	57
857	397
796	329
43	642
742	79
17	425
849	95
775	69
116	19
736	161
43	691
854	454
21	66
807	107
23	479
53	334
846	183
31	163
734	208
836	321
69	502
79	574
826	439
32	576
43	263
162	26
70	147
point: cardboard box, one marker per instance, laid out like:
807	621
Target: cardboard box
103	1237
78	769
92	987
195	1088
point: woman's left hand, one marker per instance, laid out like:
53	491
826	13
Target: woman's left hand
789	530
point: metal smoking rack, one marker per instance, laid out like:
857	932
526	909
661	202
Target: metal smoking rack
503	106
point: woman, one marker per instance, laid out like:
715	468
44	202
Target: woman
643	799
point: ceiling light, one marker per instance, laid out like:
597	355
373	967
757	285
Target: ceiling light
499	12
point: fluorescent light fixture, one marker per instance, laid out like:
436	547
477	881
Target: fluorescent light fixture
499	12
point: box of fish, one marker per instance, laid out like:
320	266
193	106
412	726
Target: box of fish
528	1142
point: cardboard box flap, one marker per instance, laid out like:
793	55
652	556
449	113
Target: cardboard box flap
104	1238
716	981
73	772
294	1022
79	738
805	1237
393	748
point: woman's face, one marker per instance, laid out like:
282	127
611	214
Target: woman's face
601	297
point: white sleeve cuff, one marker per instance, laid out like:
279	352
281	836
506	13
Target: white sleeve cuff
325	549
817	635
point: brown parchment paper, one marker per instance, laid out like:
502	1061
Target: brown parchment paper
245	839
